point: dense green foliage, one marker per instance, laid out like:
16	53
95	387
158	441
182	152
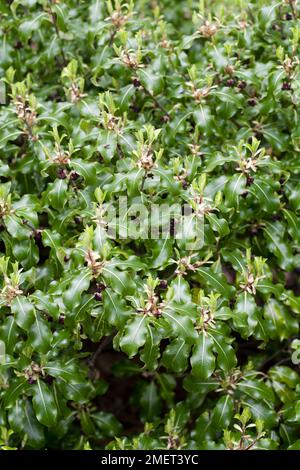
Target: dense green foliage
146	343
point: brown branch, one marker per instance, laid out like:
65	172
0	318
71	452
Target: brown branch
252	443
157	103
106	341
112	37
57	31
293	9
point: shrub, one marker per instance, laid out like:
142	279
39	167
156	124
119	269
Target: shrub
186	340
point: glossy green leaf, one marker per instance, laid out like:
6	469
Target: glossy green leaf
24	312
135	335
44	404
203	359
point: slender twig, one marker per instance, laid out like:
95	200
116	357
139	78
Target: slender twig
294	13
143	181
29	130
107	340
112	37
252	443
54	22
270	358
157	103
